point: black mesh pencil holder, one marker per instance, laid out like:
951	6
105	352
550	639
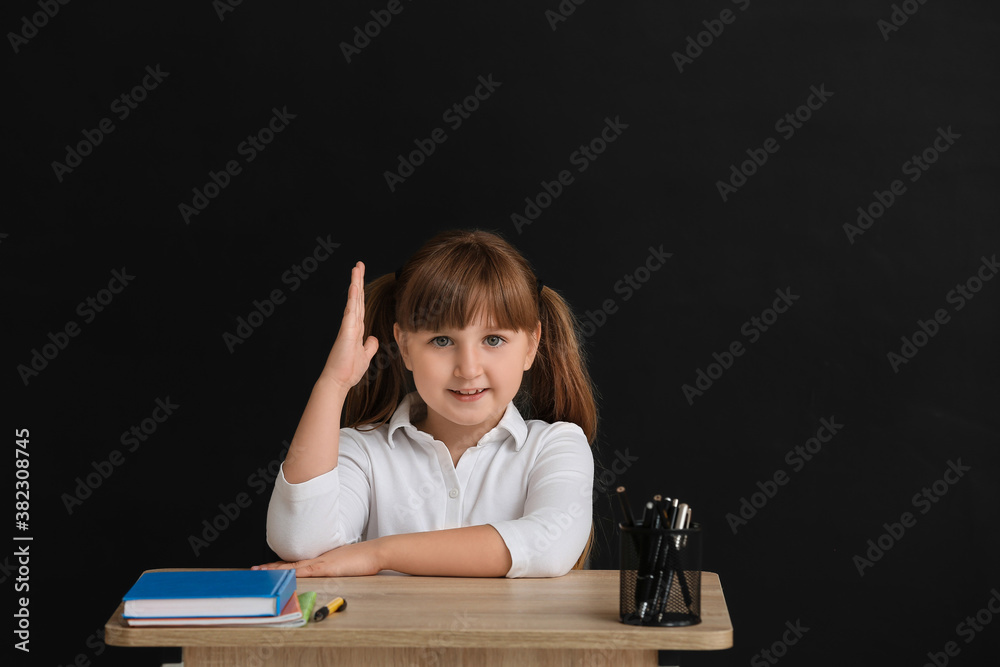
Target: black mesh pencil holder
660	576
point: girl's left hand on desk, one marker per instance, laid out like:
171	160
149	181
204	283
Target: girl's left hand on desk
350	560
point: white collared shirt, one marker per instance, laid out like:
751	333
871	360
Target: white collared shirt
531	480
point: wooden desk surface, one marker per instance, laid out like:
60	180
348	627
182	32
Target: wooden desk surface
578	610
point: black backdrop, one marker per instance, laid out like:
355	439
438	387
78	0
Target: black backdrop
867	92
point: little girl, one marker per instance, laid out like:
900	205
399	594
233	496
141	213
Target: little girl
437	472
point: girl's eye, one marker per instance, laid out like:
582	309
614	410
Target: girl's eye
494	341
440	341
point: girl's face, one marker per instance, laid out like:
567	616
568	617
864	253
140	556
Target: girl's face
467	376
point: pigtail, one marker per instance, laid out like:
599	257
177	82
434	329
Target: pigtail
561	388
377	395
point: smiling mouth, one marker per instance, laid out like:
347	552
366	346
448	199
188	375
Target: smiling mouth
471	392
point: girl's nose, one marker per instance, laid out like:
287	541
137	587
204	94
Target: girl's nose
468	365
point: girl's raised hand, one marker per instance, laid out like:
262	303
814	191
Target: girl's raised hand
350	356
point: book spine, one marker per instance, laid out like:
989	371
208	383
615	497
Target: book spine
285	592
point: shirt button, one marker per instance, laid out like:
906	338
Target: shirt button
453	493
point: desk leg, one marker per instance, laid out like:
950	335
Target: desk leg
668	659
264	656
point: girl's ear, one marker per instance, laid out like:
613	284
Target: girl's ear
400	337
534	338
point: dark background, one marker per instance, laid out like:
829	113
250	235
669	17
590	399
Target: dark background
656	185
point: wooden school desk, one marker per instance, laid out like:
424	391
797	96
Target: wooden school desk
395	619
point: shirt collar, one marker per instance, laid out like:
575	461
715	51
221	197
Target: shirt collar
511	423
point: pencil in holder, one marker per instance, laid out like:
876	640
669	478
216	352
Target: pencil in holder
660	576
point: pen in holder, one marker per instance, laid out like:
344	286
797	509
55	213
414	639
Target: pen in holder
660	576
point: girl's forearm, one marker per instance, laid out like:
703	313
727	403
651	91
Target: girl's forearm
474	551
316	443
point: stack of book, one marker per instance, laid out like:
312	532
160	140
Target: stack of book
219	597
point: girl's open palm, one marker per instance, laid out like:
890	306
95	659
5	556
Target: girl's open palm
351	355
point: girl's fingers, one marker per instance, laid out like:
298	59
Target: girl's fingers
361	294
277	565
370	348
351	310
360	302
351	296
358	298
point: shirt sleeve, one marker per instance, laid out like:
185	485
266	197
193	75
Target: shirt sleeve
330	510
558	511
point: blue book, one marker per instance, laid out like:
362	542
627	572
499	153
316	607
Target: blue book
210	593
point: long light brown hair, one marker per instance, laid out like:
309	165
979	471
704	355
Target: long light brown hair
453	279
